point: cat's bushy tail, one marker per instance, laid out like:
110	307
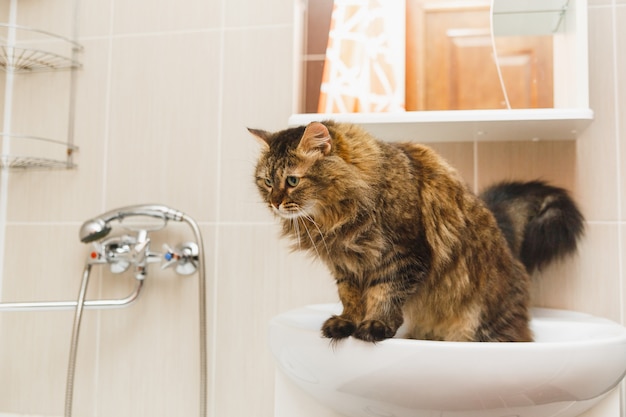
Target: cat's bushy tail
540	222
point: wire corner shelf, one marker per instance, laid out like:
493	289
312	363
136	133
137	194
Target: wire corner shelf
50	154
27	50
24	49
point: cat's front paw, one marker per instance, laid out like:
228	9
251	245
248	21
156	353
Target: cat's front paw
338	327
373	331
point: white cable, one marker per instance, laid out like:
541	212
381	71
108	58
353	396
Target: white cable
495	56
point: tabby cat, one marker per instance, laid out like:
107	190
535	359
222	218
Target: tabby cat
406	240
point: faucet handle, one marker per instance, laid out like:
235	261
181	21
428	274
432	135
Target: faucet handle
184	258
113	251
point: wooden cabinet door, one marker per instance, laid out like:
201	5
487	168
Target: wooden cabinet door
450	63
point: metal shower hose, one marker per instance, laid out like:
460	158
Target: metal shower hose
71	368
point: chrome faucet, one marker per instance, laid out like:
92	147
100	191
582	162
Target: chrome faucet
121	252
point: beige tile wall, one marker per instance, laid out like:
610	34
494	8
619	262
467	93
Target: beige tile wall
163	100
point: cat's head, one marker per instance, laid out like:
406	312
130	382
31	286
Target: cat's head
297	172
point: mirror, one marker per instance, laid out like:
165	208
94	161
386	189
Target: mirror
411	55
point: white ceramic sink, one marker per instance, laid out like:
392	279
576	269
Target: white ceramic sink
575	361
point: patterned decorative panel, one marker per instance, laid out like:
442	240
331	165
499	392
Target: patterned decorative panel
364	67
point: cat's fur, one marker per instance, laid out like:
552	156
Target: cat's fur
406	240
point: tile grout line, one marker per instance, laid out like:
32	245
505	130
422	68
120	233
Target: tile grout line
215	287
105	157
221	28
6	144
618	168
617	157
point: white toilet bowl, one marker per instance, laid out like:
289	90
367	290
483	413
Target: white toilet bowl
576	360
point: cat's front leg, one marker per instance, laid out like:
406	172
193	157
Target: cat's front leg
344	325
383	310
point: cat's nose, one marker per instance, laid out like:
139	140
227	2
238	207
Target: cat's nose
276	198
276	201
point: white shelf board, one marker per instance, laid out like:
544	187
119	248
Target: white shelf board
529	6
528	17
465	125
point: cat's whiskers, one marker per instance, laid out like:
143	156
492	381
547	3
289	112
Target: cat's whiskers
295	222
311	239
309	218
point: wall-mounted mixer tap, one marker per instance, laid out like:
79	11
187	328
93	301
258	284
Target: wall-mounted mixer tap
120	252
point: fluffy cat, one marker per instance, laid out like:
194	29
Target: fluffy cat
406	240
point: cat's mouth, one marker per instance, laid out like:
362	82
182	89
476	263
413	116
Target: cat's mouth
288	213
292	211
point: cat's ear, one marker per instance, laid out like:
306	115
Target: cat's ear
261	135
315	138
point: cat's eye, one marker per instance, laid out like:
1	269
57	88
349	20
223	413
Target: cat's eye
269	182
292	181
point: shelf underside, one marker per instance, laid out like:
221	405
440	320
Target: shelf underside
465	125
